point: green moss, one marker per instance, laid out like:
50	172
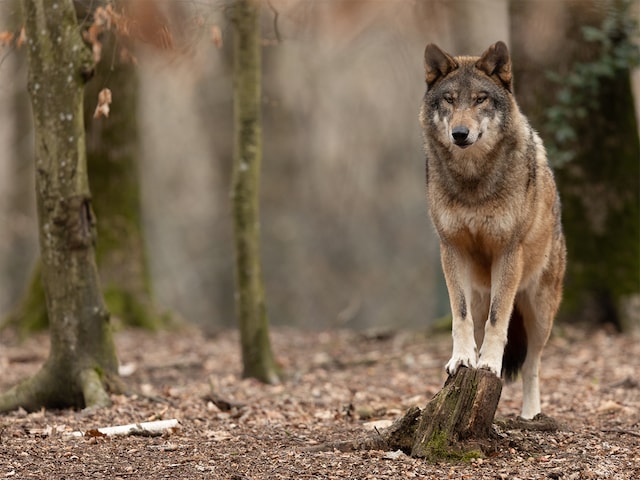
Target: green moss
440	449
129	309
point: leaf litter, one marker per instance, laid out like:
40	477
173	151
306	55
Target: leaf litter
341	385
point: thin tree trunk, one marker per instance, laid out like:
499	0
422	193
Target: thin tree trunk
257	356
82	359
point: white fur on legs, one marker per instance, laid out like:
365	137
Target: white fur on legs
492	352
464	346
531	385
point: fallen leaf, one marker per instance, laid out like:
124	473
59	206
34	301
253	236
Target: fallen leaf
104	100
394	455
609	407
218	435
377	425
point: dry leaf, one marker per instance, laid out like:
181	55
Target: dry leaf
104	100
6	38
103	17
22	38
216	36
101	22
144	21
218	435
609	406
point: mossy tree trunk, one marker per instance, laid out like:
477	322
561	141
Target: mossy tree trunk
458	422
601	211
588	123
112	155
257	356
82	359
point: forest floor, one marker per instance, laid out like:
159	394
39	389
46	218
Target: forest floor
340	384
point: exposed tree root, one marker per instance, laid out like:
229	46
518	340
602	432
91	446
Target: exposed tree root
48	389
540	423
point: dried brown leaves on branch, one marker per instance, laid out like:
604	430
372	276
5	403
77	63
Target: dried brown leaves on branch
9	39
139	21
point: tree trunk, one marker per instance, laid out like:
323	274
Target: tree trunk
257	357
82	359
600	192
112	154
589	126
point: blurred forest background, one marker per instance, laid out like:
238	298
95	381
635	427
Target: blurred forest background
346	239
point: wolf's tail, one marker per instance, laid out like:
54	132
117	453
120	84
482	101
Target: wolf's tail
516	349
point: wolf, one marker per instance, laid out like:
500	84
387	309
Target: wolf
494	204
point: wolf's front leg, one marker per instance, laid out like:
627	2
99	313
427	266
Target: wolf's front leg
456	276
506	274
464	345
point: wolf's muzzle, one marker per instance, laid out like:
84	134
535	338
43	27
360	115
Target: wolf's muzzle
460	136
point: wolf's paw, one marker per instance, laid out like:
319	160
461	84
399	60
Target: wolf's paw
491	353
458	361
493	367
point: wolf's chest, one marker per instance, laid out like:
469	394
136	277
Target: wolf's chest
482	229
474	222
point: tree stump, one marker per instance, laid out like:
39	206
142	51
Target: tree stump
457	422
455	425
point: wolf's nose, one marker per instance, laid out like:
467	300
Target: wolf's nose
460	134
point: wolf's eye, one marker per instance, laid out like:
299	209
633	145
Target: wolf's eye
480	99
448	98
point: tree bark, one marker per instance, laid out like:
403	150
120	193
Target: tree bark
82	359
113	153
257	356
599	183
458	421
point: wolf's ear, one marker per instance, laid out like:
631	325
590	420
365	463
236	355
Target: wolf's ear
496	63
437	64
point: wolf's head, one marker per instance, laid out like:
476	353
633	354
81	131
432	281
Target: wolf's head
468	99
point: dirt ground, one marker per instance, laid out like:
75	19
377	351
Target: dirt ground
340	384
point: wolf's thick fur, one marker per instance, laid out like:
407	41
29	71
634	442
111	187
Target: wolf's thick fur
494	203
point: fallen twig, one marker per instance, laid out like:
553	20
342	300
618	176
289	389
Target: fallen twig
143	428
